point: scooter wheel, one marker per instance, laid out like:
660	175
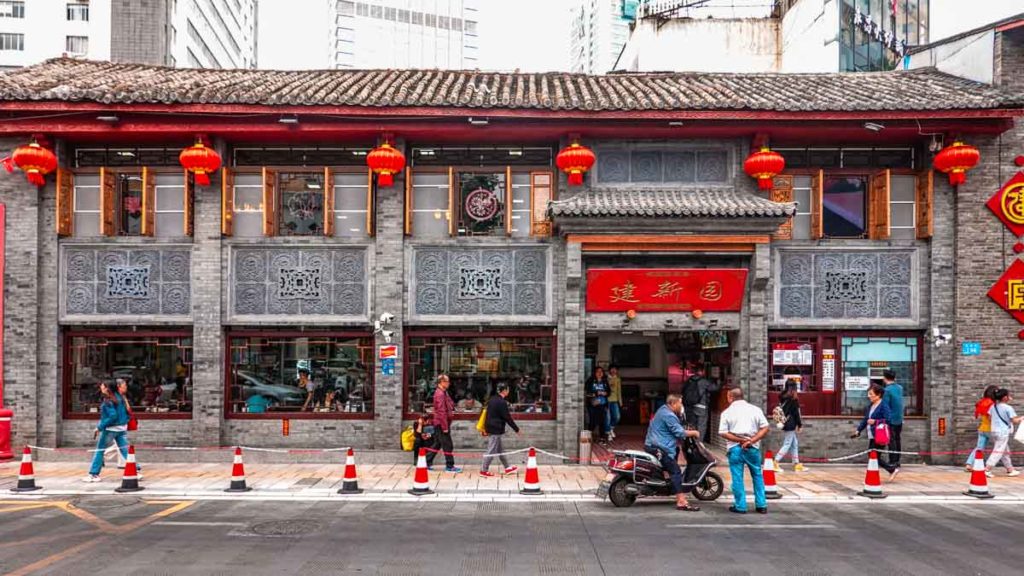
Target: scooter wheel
710	488
618	495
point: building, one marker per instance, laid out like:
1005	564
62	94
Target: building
404	34
191	34
792	36
598	30
481	261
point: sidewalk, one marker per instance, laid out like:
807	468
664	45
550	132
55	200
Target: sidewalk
823	483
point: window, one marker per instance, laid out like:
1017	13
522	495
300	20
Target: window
248	205
657	167
132	202
350	204
170	205
346	8
301	205
11	9
833	370
324	374
157	367
902	207
9	41
87	205
78	11
802	197
843	207
476	364
481	203
429	205
129	205
77	45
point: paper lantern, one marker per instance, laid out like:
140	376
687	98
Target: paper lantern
575	159
34	160
764	165
385	161
955	160
200	160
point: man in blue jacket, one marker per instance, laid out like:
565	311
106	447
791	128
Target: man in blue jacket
893	399
663	434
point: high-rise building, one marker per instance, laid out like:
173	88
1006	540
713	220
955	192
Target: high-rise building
185	33
599	29
404	34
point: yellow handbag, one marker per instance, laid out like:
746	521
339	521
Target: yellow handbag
481	424
408	439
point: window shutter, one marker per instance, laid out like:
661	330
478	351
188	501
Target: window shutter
818	205
108	203
269	202
451	201
540	195
782	191
371	220
923	205
408	200
148	202
328	202
508	200
189	203
65	201
878	206
227	201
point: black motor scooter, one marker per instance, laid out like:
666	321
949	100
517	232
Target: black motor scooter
635	474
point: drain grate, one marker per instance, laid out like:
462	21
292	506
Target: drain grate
286	527
105	501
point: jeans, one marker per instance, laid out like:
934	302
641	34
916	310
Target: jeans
612	417
442	442
493	447
883	462
999	452
749	458
669	463
597	414
983	438
895	443
121	438
790	443
697	417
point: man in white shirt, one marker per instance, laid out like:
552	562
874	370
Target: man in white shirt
743	425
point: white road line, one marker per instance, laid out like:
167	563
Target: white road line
174	523
756	526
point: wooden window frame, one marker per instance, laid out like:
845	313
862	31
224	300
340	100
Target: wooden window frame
65	219
541	227
109	209
924	203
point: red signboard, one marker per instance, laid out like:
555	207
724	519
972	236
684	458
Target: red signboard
1008	204
1008	291
665	289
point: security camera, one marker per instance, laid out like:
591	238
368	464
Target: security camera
387	334
387	318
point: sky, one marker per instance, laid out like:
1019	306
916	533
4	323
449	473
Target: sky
531	35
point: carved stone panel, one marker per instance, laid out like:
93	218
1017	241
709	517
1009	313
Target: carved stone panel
845	285
135	282
486	282
298	281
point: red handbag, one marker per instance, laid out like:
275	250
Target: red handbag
133	423
882	434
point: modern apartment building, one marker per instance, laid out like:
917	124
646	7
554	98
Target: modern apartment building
404	34
185	33
599	29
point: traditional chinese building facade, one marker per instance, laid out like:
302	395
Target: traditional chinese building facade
279	293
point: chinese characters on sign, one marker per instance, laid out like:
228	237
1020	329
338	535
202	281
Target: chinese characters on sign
828	370
874	29
388	356
1008	291
665	290
1008	204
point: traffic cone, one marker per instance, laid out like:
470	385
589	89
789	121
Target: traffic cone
421	479
979	481
872	480
531	484
350	483
26	475
771	491
130	480
238	474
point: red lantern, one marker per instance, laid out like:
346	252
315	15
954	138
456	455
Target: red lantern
201	160
955	160
34	160
764	165
385	161
575	159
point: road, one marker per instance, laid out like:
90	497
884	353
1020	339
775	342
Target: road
130	535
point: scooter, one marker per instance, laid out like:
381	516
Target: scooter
635	474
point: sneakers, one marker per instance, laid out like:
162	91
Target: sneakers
988	473
511	469
778	469
893	474
91	478
453	469
799	468
1013	473
486	474
611	435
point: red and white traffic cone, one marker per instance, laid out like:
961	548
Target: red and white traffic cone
979	481
238	474
531	484
872	479
130	480
771	490
421	479
350	483
26	475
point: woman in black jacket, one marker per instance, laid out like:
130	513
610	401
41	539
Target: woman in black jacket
498	415
791	425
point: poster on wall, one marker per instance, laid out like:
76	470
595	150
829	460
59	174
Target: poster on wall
857	383
828	370
792	354
712	339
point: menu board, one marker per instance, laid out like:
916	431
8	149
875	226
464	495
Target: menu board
792	357
828	370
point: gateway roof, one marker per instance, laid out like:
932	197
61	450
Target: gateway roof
668	203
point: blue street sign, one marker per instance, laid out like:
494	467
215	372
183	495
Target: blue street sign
387	366
968	348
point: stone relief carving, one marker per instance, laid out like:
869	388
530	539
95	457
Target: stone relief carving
129	281
846	285
302	281
644	165
299	283
480	281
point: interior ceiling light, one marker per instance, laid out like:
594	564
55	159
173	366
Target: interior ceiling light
288	120
874	126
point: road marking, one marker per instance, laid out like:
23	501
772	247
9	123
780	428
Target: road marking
174	523
25	507
756	526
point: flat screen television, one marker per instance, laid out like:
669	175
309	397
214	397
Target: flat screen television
631	355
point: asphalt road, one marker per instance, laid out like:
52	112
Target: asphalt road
129	535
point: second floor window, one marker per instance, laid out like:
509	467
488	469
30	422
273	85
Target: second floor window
78	45
126	202
78	11
9	41
12	9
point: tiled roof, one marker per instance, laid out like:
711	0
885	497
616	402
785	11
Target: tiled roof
668	203
67	79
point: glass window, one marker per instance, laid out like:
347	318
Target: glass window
11	9
481	204
331	374
9	41
521	190
350	205
76	44
248	204
157	368
87	205
78	11
430	212
129	202
346	8
476	364
902	206
843	209
169	213
302	203
866	358
802	197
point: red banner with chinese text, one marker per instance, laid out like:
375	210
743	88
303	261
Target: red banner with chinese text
665	289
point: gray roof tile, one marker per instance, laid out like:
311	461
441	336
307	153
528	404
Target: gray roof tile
668	203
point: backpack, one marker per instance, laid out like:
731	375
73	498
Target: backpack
692	393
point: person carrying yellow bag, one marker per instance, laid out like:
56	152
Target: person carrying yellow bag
481	423
494	428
